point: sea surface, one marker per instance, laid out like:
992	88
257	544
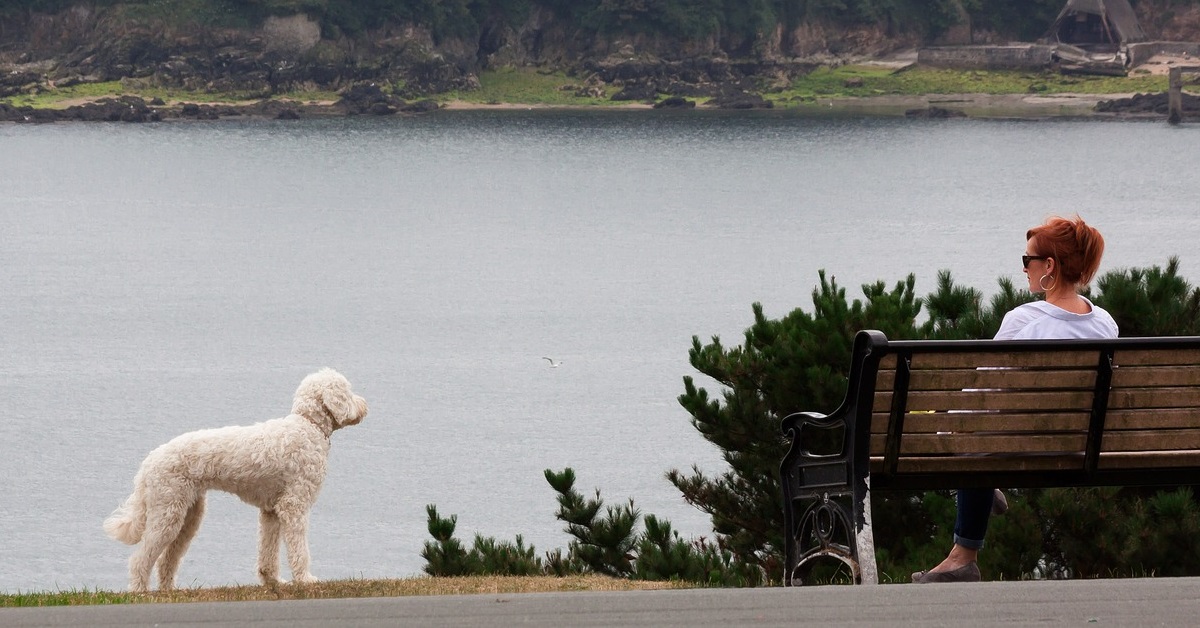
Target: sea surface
161	278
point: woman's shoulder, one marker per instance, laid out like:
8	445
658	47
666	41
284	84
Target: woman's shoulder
1020	317
1033	308
1096	308
1104	319
1030	311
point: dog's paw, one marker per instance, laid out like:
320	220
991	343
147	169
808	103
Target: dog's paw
305	579
270	579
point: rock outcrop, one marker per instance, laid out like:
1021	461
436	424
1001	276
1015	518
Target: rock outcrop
1152	104
290	53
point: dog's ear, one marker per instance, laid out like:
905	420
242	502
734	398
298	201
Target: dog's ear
341	403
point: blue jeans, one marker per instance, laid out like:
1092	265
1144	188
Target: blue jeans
974	510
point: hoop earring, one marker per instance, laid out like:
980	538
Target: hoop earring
1042	283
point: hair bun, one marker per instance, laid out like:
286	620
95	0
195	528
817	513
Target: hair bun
1076	245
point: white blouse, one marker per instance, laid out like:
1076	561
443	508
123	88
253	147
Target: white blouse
1042	321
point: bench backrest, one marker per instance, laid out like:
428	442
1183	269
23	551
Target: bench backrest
1087	406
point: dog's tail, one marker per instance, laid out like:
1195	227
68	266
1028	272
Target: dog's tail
128	521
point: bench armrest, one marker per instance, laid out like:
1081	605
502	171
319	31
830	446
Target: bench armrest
793	426
819	457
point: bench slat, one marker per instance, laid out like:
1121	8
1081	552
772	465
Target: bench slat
1050	462
990	400
1174	397
1157	357
1152	419
981	464
977	442
918	422
1138	376
958	379
1149	459
1151	440
1024	359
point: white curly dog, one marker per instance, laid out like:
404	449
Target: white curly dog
276	466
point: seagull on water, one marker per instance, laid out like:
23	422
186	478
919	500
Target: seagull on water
553	364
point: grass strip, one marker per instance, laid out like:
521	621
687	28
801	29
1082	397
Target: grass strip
867	80
353	588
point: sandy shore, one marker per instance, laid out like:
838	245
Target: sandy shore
974	105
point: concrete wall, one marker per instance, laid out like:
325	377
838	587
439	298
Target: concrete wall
1140	53
1035	56
1011	57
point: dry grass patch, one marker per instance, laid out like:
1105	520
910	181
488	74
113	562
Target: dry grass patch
346	589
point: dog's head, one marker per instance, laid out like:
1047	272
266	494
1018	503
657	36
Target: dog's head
325	398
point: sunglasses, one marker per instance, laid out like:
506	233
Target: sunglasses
1025	259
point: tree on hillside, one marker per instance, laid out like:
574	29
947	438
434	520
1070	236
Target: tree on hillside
733	21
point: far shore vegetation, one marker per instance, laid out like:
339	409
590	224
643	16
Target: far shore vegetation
539	87
423	585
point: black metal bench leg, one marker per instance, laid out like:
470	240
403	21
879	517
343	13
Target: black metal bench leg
832	525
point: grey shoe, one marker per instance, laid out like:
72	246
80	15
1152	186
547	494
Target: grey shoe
967	573
999	503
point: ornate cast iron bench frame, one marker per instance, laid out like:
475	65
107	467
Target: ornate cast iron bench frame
923	415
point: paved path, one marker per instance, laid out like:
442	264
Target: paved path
1127	602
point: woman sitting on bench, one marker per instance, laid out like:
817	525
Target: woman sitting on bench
1061	256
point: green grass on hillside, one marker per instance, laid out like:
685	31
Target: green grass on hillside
882	81
528	87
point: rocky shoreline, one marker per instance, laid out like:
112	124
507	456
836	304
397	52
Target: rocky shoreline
358	100
370	100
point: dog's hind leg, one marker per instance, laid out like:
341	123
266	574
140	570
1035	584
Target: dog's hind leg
163	523
268	547
168	563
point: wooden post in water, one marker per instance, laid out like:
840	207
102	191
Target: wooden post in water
1175	96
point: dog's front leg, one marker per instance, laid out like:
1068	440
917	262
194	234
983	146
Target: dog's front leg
268	547
295	536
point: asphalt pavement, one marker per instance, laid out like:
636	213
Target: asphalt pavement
1083	603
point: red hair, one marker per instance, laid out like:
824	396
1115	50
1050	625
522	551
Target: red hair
1074	244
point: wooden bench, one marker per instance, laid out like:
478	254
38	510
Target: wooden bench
921	415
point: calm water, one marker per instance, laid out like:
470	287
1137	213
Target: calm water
160	279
